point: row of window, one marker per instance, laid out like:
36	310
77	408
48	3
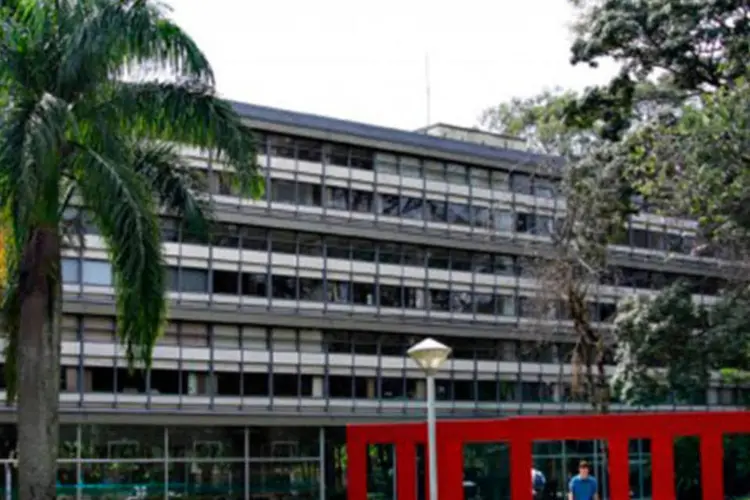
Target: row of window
298	288
502	220
101	441
115	380
385	252
406	166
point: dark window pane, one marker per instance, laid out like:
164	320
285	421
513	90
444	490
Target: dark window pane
283	242
254	285
412	208
361	201
363	250
436	211
309	194
310	244
283	191
311	289
284	287
389	204
338	198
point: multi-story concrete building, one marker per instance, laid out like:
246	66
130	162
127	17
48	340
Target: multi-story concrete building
295	317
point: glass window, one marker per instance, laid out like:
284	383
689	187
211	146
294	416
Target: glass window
459	213
363	250
283	242
309	194
193	280
544	188
339	155
386	164
363	293
413	255
254	285
284	287
389	204
456	174
281	146
254	238
338	198
506	306
521	184
480	177
310	244
339	291
71	270
460	260
437	211
525	223
337	247
308	150
283	191
97	272
434	171
411	167
482	263
311	289
438	258
361	201
412	208
504	220
504	264
499	180
361	158
482	217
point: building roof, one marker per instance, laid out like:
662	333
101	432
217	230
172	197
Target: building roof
386	134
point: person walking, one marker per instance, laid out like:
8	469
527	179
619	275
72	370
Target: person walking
583	486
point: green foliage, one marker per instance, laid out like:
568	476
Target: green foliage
687	47
699	163
76	131
667	345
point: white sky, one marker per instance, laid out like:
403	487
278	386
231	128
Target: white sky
365	60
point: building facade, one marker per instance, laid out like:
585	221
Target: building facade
293	319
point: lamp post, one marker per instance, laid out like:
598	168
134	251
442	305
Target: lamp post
430	354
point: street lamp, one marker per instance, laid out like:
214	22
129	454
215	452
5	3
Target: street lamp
430	355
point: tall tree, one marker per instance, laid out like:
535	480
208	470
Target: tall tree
75	133
687	47
687	159
594	212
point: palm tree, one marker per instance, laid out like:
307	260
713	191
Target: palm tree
78	131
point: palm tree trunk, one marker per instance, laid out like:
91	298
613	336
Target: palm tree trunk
38	365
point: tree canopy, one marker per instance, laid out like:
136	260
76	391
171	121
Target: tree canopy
667	135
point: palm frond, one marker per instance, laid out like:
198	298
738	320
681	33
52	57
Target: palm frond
10	303
189	114
122	207
175	184
112	37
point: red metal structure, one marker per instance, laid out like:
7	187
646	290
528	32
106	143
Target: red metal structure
520	432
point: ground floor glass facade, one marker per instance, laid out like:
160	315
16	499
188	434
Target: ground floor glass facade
138	462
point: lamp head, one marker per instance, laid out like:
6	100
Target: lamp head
429	354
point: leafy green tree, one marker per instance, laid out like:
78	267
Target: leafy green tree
596	206
668	51
76	132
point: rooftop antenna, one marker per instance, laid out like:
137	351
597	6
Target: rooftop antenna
427	86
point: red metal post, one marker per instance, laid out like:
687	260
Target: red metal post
662	466
406	470
619	468
712	464
520	468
